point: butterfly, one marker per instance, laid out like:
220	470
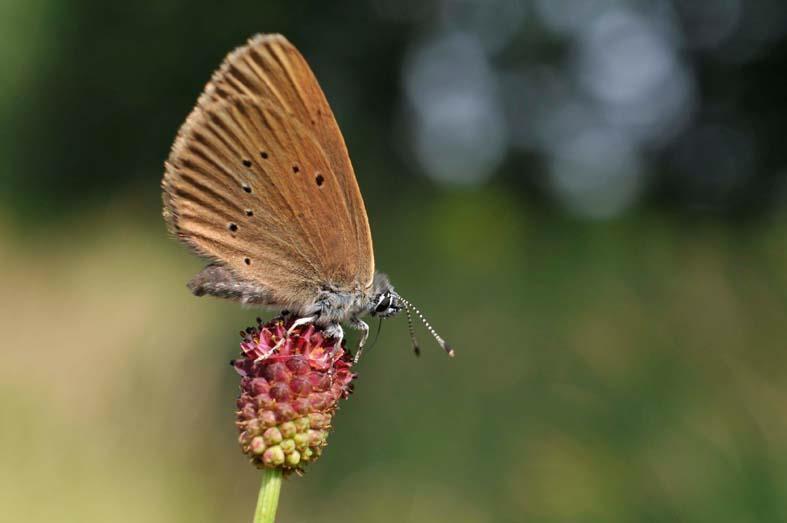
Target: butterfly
259	181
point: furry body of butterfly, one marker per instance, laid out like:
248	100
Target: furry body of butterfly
327	305
259	181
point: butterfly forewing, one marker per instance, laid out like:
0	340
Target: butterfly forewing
270	67
259	177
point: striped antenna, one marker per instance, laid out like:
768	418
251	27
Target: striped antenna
416	349
440	341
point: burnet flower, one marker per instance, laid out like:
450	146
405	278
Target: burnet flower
292	380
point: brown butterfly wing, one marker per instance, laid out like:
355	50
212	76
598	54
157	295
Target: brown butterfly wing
271	68
259	178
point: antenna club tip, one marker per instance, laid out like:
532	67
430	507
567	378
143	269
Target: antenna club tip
450	351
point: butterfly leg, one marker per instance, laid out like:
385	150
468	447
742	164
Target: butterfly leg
300	321
362	326
297	323
336	332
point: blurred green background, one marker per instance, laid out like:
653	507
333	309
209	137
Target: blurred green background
585	197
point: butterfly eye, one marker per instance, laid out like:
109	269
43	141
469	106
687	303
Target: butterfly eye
383	304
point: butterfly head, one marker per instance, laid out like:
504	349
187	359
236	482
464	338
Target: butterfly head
385	301
387	304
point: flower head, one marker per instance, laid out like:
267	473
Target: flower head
290	388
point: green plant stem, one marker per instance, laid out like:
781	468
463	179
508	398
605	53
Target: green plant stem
268	498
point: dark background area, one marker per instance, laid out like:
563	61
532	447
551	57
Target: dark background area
586	197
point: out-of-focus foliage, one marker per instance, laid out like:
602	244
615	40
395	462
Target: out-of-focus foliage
595	105
586	197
